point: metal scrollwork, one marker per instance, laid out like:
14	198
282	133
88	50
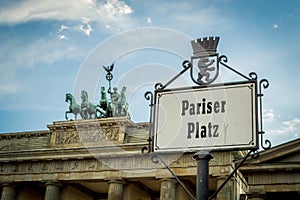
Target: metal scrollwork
223	58
255	154
264	83
149	96
145	150
204	66
159	86
265	143
253	76
186	64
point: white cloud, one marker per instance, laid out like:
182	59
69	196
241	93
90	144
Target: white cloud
275	26
62	37
115	8
85	27
41	10
293	124
268	115
291	127
149	20
187	17
111	11
22	60
10	88
62	28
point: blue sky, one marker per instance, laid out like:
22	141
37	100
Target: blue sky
46	46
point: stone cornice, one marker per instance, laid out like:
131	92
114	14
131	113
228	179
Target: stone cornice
270	167
70	153
90	123
275	153
19	135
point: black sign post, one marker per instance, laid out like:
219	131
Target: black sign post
202	158
206	62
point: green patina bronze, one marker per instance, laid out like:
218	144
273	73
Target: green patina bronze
104	108
117	106
74	107
121	106
88	110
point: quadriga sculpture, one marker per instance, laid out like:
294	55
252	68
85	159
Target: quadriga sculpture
117	106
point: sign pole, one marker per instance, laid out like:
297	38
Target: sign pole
202	158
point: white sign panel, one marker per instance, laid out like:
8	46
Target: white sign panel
206	118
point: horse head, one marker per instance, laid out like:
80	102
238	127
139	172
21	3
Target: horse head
69	97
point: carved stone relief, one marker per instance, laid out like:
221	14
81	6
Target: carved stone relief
89	132
111	134
86	165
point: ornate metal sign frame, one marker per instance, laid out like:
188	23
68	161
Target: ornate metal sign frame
209	63
219	117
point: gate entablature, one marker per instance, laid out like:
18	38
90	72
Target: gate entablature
88	133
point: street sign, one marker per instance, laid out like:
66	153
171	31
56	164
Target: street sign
218	117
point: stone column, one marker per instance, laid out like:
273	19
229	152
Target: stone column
52	190
8	191
167	189
227	192
115	189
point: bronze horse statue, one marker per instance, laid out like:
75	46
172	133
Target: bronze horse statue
104	109
88	110
116	107
73	107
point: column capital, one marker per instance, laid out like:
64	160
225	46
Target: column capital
167	189
115	189
8	184
8	191
52	190
169	180
202	155
116	180
53	182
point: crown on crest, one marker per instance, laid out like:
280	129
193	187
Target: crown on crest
205	46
